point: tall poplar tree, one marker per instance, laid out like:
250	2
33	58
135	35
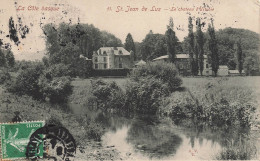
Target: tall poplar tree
240	59
129	44
214	58
200	42
171	40
196	60
191	46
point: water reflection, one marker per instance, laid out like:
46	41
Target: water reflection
146	138
152	140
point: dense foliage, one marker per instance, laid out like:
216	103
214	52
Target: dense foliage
41	83
164	71
214	104
4	77
6	58
144	96
56	89
27	82
153	46
227	44
108	95
67	44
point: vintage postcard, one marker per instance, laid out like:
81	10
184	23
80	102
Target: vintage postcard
129	80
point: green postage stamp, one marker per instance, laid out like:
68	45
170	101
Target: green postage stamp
15	138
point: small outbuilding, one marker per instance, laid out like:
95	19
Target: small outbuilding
223	70
235	73
140	63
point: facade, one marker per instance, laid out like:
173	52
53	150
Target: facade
235	73
112	58
223	70
183	65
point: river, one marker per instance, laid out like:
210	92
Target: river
152	138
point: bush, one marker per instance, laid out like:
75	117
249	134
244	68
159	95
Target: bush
57	70
218	107
83	68
57	89
4	77
27	82
145	95
167	72
108	95
111	72
42	84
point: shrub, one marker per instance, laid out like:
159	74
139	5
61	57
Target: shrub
4	77
83	68
167	72
219	106
145	95
27	82
108	95
57	70
111	72
95	130
238	150
56	89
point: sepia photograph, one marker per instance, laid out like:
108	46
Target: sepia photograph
87	80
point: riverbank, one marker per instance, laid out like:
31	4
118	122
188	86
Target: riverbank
83	123
31	110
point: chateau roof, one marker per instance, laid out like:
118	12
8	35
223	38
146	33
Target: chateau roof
113	50
223	67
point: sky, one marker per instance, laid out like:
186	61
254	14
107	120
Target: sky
105	15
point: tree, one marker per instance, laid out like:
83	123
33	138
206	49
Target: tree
171	41
240	58
10	58
2	59
196	61
251	64
153	46
129	44
200	42
191	45
214	59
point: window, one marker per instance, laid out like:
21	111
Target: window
181	66
207	65
105	59
96	59
120	65
96	66
105	66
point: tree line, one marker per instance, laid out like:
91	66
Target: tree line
222	47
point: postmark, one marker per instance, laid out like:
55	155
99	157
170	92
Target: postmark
58	144
15	138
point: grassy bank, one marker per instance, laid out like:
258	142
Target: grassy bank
31	110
